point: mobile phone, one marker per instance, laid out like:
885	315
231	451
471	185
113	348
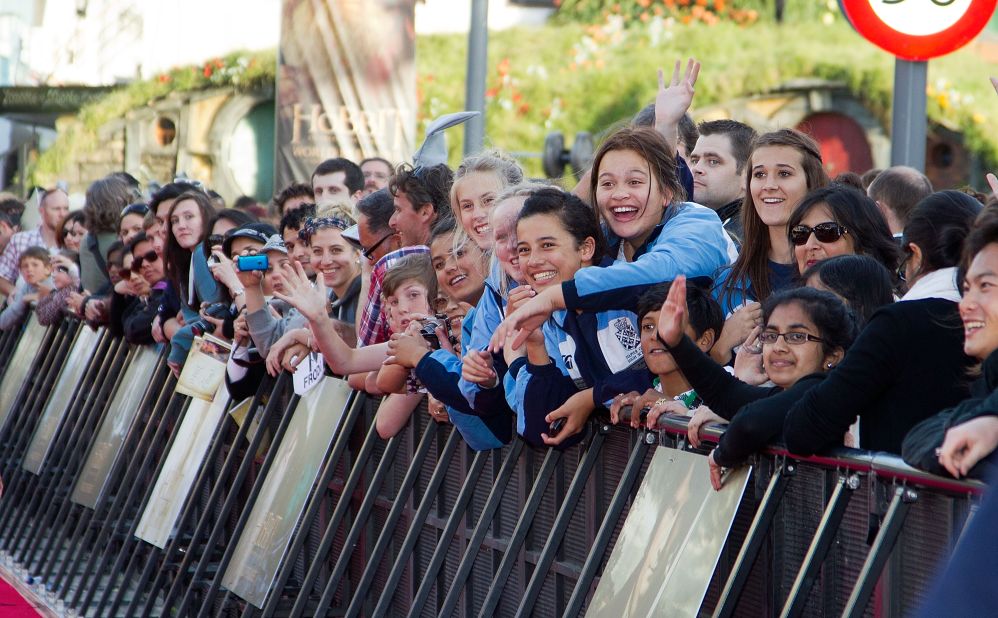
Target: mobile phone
556	427
253	262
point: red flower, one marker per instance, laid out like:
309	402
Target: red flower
207	70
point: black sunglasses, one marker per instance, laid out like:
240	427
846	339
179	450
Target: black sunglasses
367	253
149	256
215	239
827	232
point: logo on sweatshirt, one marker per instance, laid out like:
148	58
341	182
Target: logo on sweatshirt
626	335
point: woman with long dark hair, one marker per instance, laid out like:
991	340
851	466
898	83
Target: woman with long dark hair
783	167
187	226
908	363
839	220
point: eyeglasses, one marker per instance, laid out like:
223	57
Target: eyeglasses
369	253
149	256
792	338
215	239
827	232
126	273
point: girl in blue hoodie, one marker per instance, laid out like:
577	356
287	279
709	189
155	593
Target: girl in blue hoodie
557	235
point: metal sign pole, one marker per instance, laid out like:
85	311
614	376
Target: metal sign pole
474	96
908	121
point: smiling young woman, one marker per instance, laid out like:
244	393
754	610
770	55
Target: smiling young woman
653	234
960	440
805	334
784	166
908	363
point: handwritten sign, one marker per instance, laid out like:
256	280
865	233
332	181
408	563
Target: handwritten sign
309	373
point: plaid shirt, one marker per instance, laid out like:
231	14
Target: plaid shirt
12	253
373	325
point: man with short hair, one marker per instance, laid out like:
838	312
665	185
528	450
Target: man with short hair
337	179
293	196
376	172
11	210
718	163
380	249
291	223
421	196
53	207
897	190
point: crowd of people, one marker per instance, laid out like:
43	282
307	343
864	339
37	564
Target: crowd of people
700	270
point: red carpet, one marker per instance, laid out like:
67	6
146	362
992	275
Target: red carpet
14	605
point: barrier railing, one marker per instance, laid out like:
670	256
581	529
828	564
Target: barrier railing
124	498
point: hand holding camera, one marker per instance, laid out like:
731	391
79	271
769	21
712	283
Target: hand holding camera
212	317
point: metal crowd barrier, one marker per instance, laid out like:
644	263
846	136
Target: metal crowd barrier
124	498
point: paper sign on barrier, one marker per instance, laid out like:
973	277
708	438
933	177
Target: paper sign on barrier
277	510
121	413
57	405
204	369
309	373
671	541
181	468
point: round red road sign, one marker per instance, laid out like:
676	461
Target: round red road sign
919	29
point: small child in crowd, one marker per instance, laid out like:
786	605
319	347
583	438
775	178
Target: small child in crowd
66	280
36	283
662	380
408	288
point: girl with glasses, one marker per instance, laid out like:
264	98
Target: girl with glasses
653	234
806	333
908	363
839	220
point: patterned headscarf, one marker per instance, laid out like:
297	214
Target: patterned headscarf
314	224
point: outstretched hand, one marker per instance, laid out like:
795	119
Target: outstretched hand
674	100
300	293
672	319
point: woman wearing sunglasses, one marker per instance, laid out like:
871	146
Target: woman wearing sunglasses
839	220
908	363
806	333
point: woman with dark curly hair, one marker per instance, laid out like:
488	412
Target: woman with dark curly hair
71	232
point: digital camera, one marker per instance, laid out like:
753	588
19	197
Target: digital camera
218	311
